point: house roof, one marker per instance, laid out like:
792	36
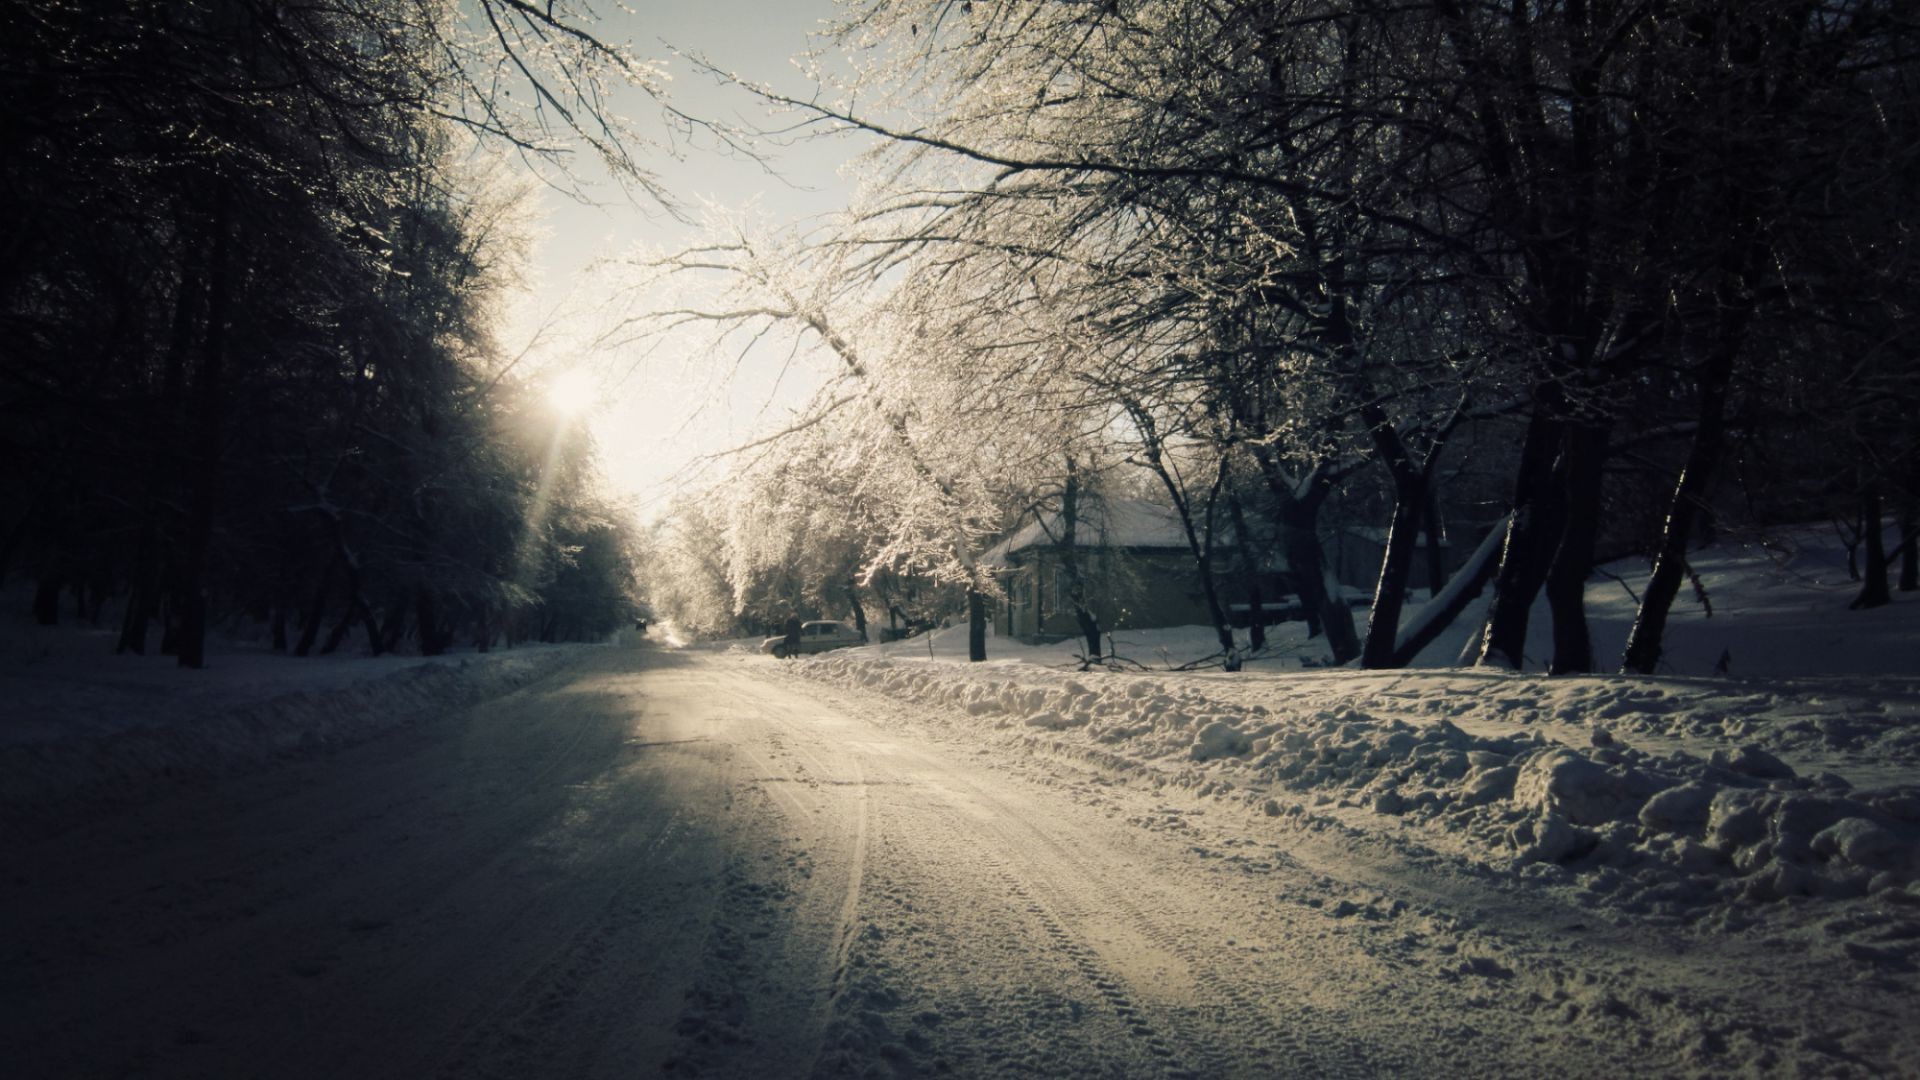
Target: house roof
1118	523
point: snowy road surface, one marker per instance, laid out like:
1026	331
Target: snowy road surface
682	863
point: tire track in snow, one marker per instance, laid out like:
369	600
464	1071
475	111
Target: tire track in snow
1111	988
838	784
1162	990
1076	904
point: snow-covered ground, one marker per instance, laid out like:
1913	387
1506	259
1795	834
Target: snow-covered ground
1783	791
81	724
1015	867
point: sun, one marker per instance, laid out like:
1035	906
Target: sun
572	393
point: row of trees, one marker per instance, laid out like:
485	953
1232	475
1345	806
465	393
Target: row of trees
251	272
1287	256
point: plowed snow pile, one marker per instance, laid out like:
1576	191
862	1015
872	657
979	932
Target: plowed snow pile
1703	798
1664	832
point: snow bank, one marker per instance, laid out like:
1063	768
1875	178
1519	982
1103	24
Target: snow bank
80	757
1672	833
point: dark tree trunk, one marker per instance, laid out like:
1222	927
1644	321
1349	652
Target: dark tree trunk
432	641
1250	574
1403	536
279	626
1533	534
372	627
316	611
393	629
339	632
204	480
349	613
1645	642
1909	549
1297	518
99	587
1083	616
1389	593
1436	539
1306	561
143	598
1873	587
976	625
1201	542
46	601
1566	584
170	623
859	611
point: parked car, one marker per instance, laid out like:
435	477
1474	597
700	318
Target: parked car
817	636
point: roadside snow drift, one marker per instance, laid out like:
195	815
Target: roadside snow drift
117	759
1672	833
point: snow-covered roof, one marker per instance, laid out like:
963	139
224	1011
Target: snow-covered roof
1121	523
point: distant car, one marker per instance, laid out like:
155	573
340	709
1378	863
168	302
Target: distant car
818	636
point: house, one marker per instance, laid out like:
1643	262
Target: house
1140	573
1135	559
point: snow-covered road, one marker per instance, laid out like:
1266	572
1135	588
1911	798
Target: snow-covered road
686	863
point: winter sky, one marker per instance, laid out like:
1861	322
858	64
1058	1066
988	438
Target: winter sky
649	425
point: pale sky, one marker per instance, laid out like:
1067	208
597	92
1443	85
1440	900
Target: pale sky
642	424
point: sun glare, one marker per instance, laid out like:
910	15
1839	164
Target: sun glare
571	393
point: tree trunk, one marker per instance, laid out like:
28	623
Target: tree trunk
859	611
316	611
372	626
279	626
1202	545
339	632
1306	562
1909	549
170	622
1403	535
1645	642
143	598
432	642
347	614
1533	534
393	629
1436	539
1566	584
976	625
46	601
1069	546
1297	518
204	480
1250	574
1396	568
1873	587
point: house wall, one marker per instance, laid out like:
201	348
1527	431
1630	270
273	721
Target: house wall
1152	587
